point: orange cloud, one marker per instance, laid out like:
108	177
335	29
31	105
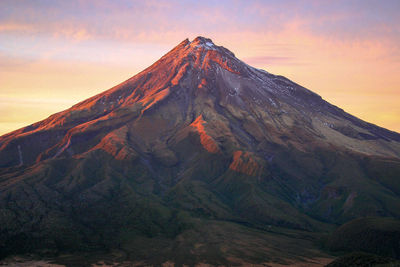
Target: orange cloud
73	33
12	27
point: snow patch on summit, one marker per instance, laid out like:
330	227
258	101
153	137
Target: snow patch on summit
201	42
207	46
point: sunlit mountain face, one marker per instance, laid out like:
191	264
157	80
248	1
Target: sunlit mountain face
200	158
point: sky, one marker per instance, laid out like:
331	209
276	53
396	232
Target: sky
54	54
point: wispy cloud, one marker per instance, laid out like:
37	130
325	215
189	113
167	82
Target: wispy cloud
33	101
144	21
15	27
272	60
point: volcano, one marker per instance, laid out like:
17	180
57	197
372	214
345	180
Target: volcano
200	158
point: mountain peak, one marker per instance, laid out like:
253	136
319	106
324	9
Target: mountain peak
202	39
198	47
206	44
203	42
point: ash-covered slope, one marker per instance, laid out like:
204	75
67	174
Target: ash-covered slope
199	134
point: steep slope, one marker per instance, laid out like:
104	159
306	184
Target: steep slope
199	134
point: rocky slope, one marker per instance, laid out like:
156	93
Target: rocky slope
197	136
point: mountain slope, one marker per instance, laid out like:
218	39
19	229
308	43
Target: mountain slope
199	135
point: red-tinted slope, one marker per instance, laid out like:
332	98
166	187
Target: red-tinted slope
198	76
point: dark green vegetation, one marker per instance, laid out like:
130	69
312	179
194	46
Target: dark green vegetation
360	259
380	236
205	219
209	241
199	158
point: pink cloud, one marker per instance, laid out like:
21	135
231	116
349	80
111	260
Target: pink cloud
271	60
15	27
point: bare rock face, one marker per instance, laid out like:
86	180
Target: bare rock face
199	134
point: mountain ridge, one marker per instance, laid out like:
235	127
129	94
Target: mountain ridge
198	42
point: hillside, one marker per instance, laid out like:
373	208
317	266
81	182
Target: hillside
199	153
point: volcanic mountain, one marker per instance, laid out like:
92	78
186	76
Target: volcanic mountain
198	158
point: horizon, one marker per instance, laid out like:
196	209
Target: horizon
57	54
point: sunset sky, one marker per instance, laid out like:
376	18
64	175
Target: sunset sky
54	54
